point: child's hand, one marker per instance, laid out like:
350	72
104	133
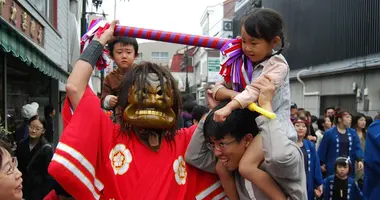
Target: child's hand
113	101
221	114
211	102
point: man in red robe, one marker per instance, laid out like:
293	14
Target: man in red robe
143	157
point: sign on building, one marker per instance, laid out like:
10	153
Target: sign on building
213	69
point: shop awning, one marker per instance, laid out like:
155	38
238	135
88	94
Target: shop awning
13	42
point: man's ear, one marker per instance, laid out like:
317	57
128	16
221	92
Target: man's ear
248	139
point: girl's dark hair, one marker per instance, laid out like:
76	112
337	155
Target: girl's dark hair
266	24
137	77
354	124
36	117
343	161
321	121
4	147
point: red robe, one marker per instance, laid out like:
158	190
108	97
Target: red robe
93	160
51	196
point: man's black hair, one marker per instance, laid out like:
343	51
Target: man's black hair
328	108
238	124
124	41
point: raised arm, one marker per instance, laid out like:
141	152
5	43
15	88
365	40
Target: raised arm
276	68
223	91
78	80
198	154
279	151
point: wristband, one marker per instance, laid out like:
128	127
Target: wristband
92	53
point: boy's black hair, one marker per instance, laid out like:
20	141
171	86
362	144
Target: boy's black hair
124	41
189	106
266	24
198	112
239	123
343	161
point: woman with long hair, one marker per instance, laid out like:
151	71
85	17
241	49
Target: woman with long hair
34	154
359	124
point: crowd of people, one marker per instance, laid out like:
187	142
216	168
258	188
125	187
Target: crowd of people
159	145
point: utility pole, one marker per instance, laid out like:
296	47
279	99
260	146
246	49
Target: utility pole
186	63
83	21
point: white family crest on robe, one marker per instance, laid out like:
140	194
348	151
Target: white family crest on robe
120	158
180	173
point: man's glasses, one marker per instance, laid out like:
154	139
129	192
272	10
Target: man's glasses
220	146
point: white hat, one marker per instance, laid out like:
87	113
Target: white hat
29	110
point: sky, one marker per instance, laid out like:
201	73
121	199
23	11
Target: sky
169	15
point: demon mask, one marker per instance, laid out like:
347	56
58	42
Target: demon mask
151	105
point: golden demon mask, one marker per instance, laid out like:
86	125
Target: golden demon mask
151	106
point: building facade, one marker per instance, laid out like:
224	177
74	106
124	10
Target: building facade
334	48
34	56
216	21
158	52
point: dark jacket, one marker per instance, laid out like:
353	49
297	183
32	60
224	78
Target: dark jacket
49	130
22	132
36	180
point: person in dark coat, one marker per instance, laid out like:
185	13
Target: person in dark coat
49	113
34	155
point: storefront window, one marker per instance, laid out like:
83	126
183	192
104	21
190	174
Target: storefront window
24	85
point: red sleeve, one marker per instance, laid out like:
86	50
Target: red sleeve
202	185
51	196
188	133
75	162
